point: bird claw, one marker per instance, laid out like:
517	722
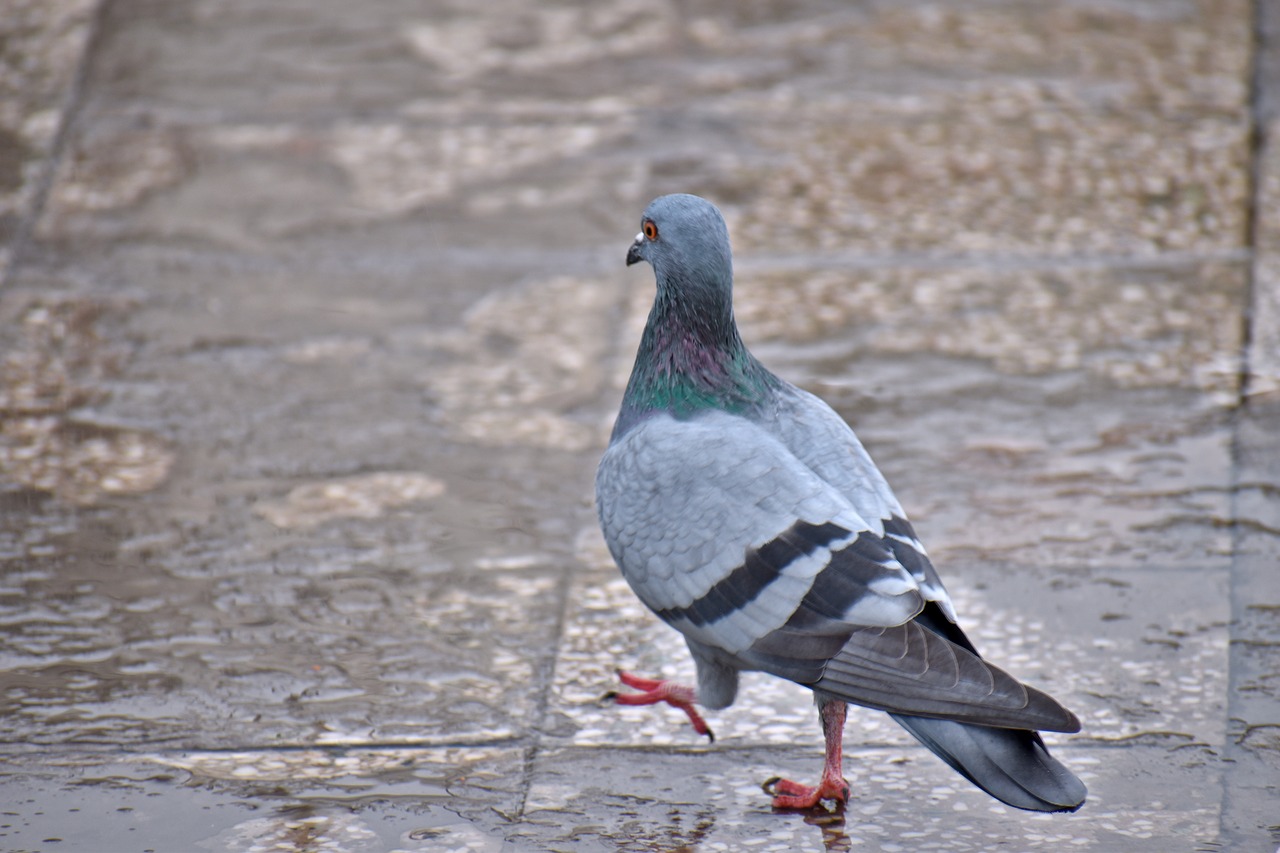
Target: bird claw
653	691
792	796
647	685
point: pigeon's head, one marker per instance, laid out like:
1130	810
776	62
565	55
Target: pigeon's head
685	240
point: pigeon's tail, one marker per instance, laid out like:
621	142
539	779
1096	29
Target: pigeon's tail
1011	765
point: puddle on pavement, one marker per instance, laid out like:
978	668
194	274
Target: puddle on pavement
51	371
365	656
307	800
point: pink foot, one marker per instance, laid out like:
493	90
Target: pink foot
792	795
654	691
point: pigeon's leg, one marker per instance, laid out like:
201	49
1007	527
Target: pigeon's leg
652	692
793	795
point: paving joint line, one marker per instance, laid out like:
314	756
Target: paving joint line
1239	417
73	101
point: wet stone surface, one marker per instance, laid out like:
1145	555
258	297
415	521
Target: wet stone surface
902	801
315	321
403	799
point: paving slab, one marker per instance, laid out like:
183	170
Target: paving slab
903	800
353	800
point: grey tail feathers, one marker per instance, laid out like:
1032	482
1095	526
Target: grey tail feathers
1011	765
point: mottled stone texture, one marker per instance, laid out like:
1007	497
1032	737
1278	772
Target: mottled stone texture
315	320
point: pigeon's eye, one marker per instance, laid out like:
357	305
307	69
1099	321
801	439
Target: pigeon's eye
650	230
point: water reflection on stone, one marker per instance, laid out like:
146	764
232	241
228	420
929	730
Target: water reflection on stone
53	370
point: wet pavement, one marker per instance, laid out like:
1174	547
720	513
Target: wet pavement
314	324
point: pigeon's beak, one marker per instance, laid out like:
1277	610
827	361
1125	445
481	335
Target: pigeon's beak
633	254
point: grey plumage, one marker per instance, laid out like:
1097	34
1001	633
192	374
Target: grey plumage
747	515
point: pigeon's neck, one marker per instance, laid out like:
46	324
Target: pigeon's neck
691	360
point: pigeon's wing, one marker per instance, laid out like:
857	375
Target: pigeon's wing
825	443
950	680
748	552
720	532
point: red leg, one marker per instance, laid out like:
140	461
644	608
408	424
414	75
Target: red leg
792	795
653	691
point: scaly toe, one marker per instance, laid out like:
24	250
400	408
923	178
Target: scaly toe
798	801
777	786
643	684
793	796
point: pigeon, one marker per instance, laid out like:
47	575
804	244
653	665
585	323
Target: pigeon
748	516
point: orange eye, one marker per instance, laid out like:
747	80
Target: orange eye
650	230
